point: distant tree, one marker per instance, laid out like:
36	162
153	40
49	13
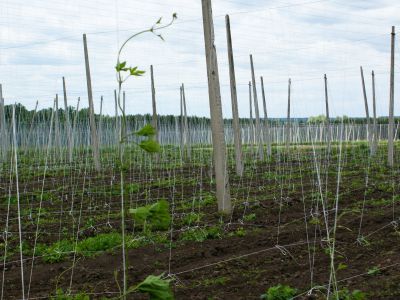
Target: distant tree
316	119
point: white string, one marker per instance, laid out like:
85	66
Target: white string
41	201
6	233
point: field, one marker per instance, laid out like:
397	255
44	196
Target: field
150	150
283	207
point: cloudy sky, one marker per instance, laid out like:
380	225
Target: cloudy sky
41	41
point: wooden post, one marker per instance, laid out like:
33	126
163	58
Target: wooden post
3	138
235	111
186	125
117	120
124	115
328	122
252	139
266	125
101	121
391	101
287	137
217	122
32	123
182	127
257	112
57	127
366	108
67	122
93	132
153	102
75	123
374	147
123	105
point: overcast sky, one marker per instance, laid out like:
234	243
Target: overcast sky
41	41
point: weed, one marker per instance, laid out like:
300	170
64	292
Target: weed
250	217
192	218
279	292
345	294
374	271
60	295
56	252
215	281
201	234
241	232
102	242
342	266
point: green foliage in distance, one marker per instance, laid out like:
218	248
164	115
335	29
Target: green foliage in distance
147	130
316	119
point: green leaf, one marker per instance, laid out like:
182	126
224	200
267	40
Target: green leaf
155	215
160	217
150	146
156	287
279	292
121	67
159	21
135	72
140	214
174	16
147	130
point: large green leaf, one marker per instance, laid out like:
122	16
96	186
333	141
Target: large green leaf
156	287
135	72
150	146
121	66
156	216
140	214
160	217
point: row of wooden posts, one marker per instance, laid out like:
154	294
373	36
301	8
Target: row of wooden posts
217	124
219	148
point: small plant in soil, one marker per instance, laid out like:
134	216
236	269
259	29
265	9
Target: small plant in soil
279	292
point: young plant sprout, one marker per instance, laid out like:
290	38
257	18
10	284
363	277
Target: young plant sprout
149	145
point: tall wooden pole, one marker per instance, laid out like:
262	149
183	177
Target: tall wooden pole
123	128
67	122
237	137
101	121
288	118
251	117
93	132
391	102
375	125
32	123
57	126
154	106
366	108
4	141
75	122
257	112
181	127
117	120
187	133
328	122
217	122
266	125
